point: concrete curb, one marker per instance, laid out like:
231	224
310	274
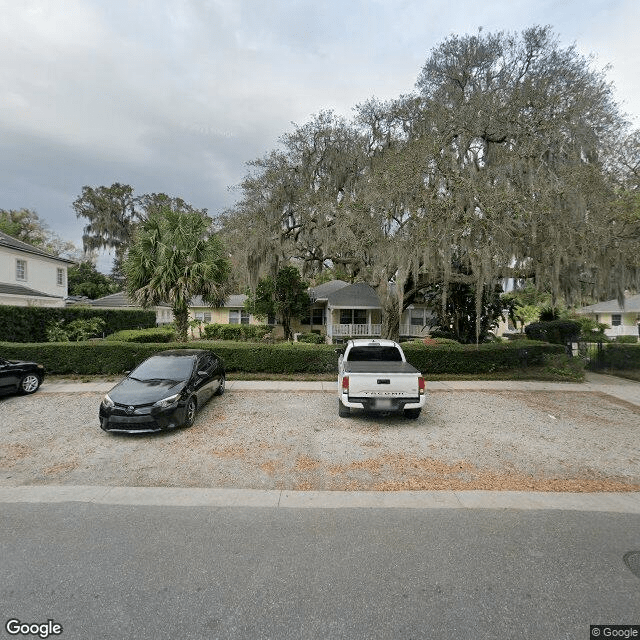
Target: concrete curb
281	499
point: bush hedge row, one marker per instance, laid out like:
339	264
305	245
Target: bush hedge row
154	334
554	331
621	356
29	324
236	331
106	357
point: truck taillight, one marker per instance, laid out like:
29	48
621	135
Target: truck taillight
345	384
421	385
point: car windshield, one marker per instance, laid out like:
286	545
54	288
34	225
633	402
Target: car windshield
164	368
374	354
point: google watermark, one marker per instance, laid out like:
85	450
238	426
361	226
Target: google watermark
40	629
614	631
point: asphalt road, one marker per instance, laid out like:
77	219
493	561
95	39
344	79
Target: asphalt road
113	571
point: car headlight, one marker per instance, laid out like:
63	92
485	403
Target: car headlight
107	402
165	403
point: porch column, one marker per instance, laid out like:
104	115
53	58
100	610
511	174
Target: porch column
369	322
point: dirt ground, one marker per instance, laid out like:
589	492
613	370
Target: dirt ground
507	440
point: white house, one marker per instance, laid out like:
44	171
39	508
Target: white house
30	276
622	320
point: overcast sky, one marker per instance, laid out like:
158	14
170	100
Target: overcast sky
175	96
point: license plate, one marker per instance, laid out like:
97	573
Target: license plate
383	404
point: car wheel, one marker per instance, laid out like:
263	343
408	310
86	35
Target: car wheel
412	413
220	389
343	412
29	383
190	412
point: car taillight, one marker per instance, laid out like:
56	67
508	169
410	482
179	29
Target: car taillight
421	385
345	384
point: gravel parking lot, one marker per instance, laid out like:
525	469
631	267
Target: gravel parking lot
510	440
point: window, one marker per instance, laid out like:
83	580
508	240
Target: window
353	316
317	316
238	316
203	316
616	319
417	318
60	277
21	269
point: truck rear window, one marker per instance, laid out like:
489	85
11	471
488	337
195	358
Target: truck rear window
374	354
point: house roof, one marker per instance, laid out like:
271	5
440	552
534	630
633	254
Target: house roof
19	290
353	296
117	300
322	291
631	305
233	301
19	245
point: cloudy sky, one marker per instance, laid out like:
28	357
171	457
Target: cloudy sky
175	96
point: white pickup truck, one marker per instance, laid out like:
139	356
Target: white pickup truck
375	375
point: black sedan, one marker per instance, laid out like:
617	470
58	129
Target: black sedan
163	392
20	377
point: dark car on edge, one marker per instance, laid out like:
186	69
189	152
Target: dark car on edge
20	377
163	392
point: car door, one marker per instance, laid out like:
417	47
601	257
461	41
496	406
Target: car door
204	375
9	376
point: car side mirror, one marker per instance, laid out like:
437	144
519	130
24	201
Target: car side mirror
339	352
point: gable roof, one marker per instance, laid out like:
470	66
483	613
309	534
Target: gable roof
322	291
631	305
118	300
18	245
233	301
354	296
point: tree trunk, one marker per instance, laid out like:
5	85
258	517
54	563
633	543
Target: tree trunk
181	319
390	318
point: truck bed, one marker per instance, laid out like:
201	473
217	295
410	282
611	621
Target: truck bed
378	367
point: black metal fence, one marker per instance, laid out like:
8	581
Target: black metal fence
591	352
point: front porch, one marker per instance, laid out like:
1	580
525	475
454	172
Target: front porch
373	331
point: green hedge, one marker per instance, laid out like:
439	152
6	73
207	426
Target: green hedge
236	331
554	331
621	356
486	358
29	324
155	334
106	357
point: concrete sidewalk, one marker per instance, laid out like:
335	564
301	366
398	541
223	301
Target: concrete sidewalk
626	390
284	499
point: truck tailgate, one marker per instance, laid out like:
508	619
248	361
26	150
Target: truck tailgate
382	380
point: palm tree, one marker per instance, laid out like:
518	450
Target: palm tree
175	256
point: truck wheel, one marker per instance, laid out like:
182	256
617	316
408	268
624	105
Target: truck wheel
412	413
343	412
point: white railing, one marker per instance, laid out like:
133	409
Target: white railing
412	330
354	329
406	330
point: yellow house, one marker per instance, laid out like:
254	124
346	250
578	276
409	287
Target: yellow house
622	320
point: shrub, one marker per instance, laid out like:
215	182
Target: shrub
30	324
155	334
311	338
555	331
626	339
236	331
109	357
621	356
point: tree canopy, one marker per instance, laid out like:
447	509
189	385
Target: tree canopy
173	257
510	159
114	212
26	225
284	297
